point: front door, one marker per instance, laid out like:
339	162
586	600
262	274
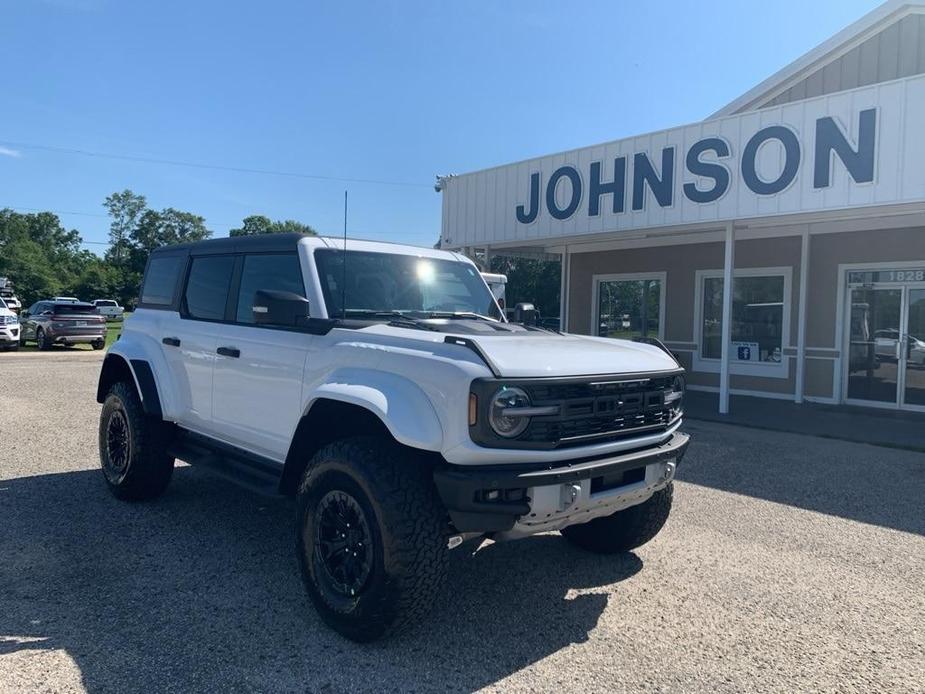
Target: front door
257	380
913	380
873	347
886	339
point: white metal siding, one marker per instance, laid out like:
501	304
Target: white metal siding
479	208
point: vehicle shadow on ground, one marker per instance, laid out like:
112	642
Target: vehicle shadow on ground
200	590
870	484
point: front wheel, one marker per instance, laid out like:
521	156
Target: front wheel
624	530
98	344
133	446
371	537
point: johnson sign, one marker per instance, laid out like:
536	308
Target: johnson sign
712	161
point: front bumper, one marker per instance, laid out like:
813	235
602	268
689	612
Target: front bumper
9	334
524	491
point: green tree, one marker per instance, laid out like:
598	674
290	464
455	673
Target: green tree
531	281
124	208
259	224
40	256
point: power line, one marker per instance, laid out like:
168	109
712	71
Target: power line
216	167
216	225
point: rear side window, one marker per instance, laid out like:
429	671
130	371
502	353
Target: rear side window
161	280
278	271
207	287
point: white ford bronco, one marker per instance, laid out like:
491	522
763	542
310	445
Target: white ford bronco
382	387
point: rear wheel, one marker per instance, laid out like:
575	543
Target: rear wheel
624	530
98	344
41	341
371	537
133	446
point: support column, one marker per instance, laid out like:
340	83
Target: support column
801	317
728	275
563	289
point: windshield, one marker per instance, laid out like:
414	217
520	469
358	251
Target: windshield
2	303
392	282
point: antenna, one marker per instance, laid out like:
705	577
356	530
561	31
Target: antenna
343	295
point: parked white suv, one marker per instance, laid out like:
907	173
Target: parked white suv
383	389
109	308
9	327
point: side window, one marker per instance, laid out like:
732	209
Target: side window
207	287
279	271
161	280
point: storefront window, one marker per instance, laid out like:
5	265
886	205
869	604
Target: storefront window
757	319
629	308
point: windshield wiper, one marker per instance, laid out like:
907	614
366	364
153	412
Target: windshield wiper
396	318
464	315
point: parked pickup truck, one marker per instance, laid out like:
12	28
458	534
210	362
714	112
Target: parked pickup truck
8	294
109	309
382	388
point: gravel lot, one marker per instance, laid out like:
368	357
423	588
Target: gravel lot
790	564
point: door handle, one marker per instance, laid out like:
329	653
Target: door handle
229	352
172	341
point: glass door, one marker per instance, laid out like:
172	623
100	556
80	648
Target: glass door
874	353
913	349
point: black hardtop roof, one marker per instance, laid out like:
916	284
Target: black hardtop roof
236	244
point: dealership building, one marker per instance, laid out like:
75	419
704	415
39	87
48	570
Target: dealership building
777	247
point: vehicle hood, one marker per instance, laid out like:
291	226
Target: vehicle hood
554	354
521	353
6	312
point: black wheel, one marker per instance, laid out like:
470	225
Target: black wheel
14	347
98	344
41	341
371	537
626	529
133	447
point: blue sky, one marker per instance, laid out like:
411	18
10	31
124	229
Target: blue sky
391	91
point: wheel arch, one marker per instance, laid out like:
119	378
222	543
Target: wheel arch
137	371
326	420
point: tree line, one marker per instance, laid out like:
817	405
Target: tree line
44	259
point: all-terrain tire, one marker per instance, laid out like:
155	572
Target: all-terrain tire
141	468
624	530
407	528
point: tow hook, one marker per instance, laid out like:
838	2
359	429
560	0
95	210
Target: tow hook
669	471
568	494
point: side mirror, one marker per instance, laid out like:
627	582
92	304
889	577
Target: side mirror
526	314
273	307
23	314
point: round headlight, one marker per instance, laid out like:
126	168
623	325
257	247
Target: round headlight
502	420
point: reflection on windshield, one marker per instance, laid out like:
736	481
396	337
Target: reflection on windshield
389	283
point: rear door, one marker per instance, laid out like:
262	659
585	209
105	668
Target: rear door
191	339
257	381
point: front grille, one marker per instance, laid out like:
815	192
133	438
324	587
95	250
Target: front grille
589	411
597	411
